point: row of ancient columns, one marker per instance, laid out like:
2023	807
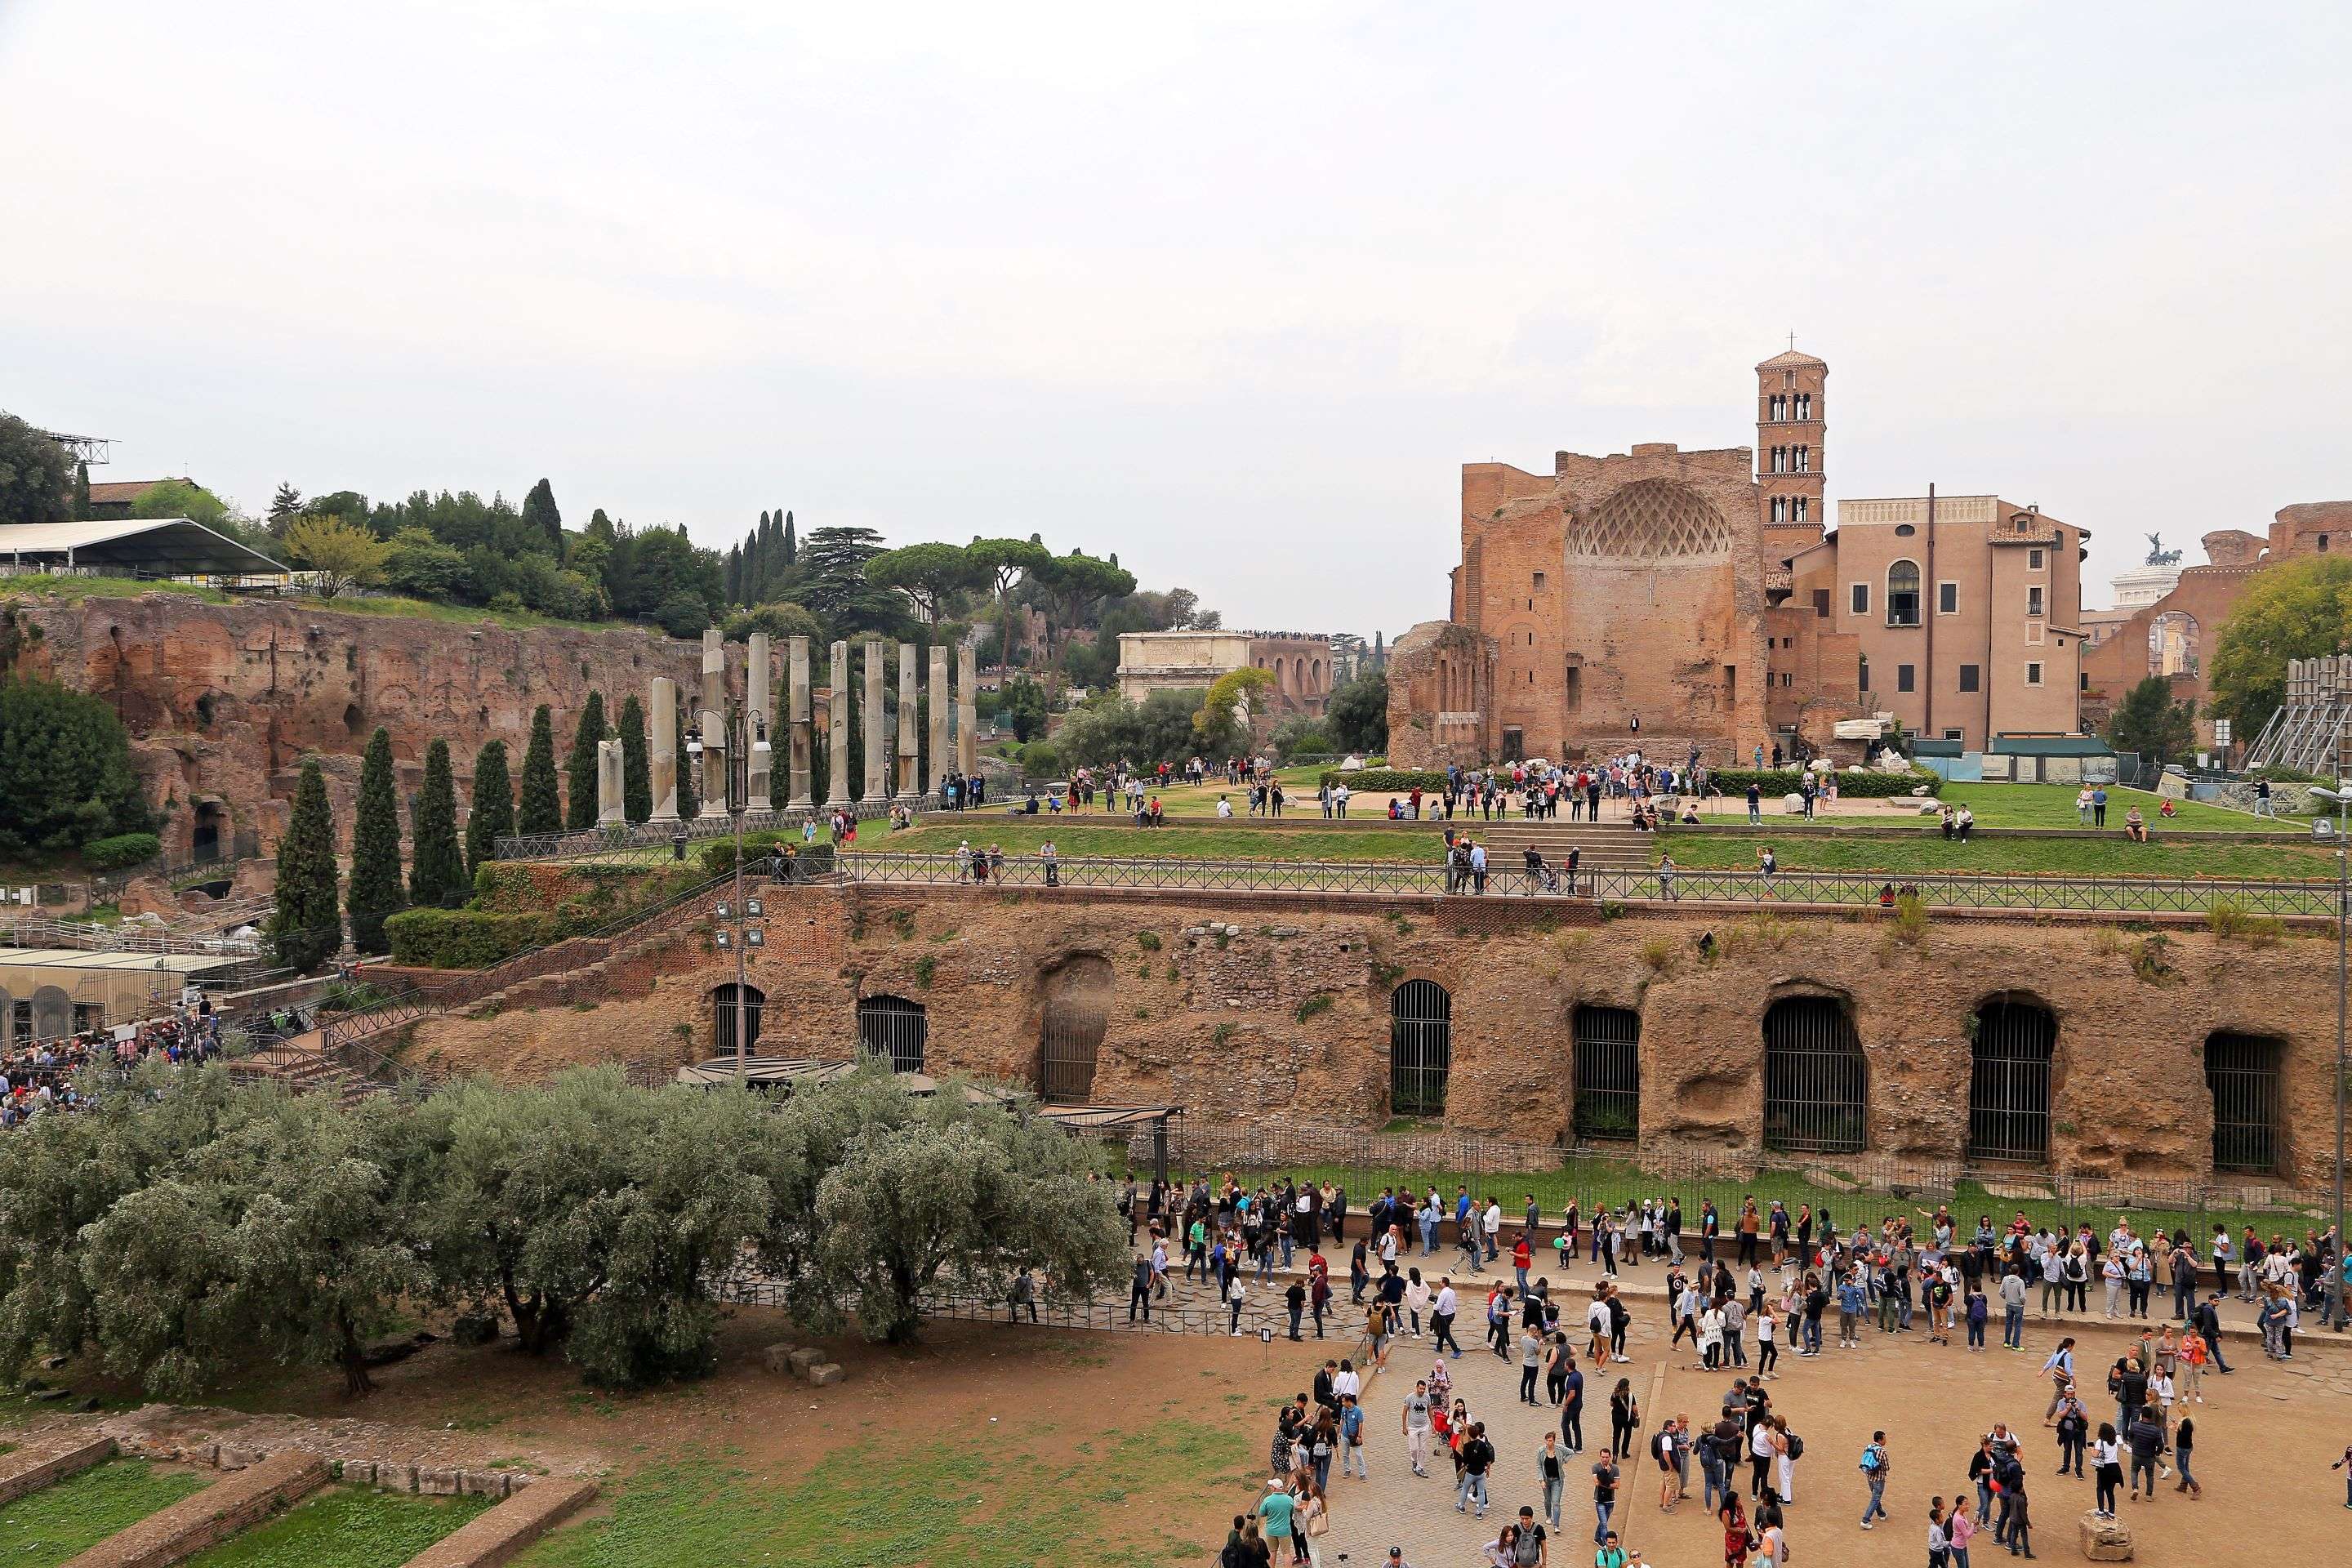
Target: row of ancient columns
713	730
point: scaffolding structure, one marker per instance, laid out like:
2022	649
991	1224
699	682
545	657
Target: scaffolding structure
2312	730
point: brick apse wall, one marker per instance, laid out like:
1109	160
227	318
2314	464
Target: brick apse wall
1213	1022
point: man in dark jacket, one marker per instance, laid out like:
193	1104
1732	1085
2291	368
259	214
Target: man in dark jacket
2146	1436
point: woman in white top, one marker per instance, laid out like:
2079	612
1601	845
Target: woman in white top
1783	1461
1346	1382
1710	1336
1416	1299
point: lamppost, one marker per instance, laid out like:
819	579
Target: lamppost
735	920
2342	795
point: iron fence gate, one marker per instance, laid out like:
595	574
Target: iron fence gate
730	1011
1816	1084
895	1029
1421	1047
1065	1055
2243	1071
2009	1081
1608	1072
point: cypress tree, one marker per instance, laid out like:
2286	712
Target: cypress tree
376	888
792	545
308	925
493	817
580	769
541	810
730	579
541	517
636	777
81	492
437	873
689	806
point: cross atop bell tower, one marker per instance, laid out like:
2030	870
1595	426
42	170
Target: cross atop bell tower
1790	421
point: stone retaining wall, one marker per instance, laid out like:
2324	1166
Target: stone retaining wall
211	1516
497	1536
24	1472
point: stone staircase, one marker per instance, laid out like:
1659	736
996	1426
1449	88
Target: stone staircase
299	1065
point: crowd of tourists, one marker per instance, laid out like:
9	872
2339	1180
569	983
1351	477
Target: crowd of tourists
39	1076
1745	1289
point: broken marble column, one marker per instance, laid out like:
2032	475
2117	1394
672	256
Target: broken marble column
611	810
936	757
803	741
967	711
837	727
759	725
878	738
911	762
661	748
711	724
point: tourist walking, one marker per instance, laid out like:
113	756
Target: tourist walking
1874	1470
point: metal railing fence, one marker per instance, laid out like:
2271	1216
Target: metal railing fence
2107	895
620	837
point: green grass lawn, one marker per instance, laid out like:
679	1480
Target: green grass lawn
2077	857
61	1521
1073	838
75	589
2028	805
343	1527
986	1502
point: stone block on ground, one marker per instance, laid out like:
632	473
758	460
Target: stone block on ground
804	1358
484	1483
778	1357
2107	1539
438	1482
359	1472
825	1373
396	1478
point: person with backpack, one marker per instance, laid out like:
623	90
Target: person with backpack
1662	1450
1477	1455
1787	1447
1532	1549
1874	1470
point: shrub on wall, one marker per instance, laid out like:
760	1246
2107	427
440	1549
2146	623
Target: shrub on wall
1392	781
122	849
466	939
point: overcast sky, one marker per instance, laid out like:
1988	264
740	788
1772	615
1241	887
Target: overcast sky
1232	291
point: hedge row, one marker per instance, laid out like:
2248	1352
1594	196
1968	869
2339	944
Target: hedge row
718	856
1392	781
1869	784
120	850
474	939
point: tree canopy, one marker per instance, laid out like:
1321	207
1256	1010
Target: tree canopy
343	553
66	777
377	890
1358	713
37	475
308	925
2297	609
2147	720
186	1226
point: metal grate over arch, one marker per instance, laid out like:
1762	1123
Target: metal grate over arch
1608	1072
1816	1083
728	1013
1421	1047
2009	1081
2242	1072
894	1028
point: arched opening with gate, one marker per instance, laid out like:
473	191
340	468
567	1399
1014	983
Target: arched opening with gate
1816	1082
2243	1073
2009	1050
893	1030
1079	994
205	836
731	1012
1608	1072
1421	1047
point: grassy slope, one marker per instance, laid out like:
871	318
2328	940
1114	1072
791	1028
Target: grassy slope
2083	857
60	1521
344	1527
74	590
980	1503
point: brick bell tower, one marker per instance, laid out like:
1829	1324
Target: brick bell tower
1790	426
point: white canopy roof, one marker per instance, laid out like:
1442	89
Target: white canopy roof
159	546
